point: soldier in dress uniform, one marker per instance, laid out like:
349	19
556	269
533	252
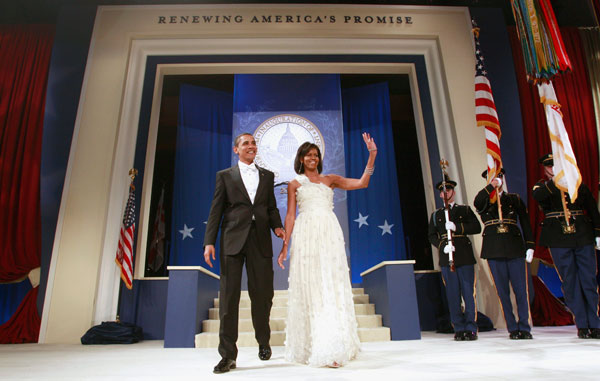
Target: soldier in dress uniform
461	282
570	230
505	250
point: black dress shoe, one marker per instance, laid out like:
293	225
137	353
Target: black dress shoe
264	352
470	336
525	335
514	335
595	333
225	365
583	333
459	336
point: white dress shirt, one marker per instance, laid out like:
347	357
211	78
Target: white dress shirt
250	178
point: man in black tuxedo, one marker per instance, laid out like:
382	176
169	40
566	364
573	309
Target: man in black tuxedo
244	206
460	282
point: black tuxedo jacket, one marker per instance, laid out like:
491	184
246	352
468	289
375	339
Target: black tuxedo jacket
466	223
509	244
232	209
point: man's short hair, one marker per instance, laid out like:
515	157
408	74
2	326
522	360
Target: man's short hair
239	137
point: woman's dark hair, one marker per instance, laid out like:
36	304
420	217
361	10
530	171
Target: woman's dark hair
303	151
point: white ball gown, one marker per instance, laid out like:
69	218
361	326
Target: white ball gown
321	326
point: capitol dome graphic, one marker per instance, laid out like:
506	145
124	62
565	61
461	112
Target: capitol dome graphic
288	144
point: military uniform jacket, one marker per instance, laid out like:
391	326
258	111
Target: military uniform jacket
585	216
466	223
509	244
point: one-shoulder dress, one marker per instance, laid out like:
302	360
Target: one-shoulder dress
321	325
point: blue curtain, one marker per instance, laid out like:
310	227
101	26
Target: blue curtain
11	295
204	145
374	214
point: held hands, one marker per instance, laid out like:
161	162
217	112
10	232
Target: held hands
282	256
209	251
597	243
529	255
449	248
369	142
450	226
279	232
497	182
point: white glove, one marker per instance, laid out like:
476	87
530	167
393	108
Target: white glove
449	248
529	255
499	182
450	226
597	243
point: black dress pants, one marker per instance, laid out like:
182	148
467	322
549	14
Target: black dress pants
259	268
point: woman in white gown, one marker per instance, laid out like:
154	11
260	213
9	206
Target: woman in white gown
321	328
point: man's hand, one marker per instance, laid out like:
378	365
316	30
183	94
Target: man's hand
449	248
209	252
282	256
597	243
279	232
497	182
450	226
529	255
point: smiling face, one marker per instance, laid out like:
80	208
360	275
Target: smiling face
311	160
245	148
308	157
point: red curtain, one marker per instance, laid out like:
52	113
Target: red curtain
546	309
574	94
25	52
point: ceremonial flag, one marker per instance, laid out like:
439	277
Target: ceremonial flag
566	173
125	249
485	114
156	255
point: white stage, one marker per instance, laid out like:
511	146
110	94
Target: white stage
554	353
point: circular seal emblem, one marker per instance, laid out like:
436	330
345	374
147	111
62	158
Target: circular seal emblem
278	139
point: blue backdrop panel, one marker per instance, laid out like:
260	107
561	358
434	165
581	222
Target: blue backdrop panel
203	148
376	232
11	296
312	97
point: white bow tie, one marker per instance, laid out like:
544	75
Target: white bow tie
248	167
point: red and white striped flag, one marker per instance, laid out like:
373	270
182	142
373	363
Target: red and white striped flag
485	114
156	254
125	249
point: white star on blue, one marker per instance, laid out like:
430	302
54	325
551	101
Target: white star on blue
362	220
186	232
386	228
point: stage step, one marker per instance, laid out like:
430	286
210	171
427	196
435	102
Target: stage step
281	301
369	324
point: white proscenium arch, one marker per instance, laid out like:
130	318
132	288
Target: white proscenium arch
124	37
106	301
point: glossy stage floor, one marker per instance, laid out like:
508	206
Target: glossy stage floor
555	353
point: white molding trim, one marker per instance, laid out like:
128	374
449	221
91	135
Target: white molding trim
107	293
65	195
387	263
191	268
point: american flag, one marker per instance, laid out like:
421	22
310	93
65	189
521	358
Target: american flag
156	255
125	250
485	113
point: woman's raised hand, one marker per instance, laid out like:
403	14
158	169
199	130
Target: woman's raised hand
369	141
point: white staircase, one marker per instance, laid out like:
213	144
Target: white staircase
370	327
